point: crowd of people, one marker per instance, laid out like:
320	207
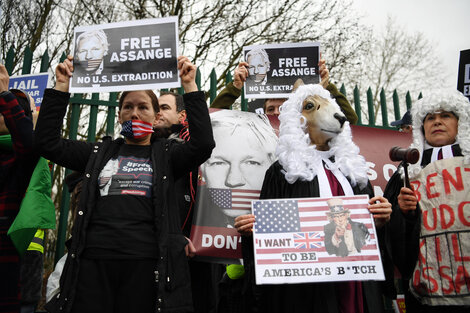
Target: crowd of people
130	249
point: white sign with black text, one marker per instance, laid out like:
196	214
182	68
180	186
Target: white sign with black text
274	68
126	56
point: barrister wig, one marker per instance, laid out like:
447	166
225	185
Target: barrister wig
299	157
440	100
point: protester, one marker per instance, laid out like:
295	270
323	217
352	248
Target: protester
232	92
127	253
172	110
74	184
327	164
27	232
172	124
405	124
427	245
17	164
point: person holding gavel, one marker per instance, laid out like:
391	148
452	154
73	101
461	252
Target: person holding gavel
429	231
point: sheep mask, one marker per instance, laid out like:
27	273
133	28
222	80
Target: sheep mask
311	119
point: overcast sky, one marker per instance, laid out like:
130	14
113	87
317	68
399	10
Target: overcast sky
445	23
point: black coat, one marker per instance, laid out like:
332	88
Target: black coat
300	298
402	232
170	160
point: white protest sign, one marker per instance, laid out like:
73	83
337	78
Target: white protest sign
122	56
274	68
313	240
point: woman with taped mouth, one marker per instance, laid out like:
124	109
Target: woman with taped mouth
127	253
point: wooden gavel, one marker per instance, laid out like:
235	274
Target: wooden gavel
407	156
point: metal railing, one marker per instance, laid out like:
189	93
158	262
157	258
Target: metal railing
93	103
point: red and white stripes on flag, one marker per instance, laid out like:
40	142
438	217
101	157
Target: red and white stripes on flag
237	199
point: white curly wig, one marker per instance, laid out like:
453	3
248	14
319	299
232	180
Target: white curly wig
299	158
445	100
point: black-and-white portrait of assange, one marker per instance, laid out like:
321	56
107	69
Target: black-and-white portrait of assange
115	58
245	146
274	68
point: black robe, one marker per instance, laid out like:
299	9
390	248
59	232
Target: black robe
300	298
401	237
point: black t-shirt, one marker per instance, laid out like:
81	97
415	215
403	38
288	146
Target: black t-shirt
122	224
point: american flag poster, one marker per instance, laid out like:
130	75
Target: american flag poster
217	240
314	240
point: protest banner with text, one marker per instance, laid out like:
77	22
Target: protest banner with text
441	275
274	68
312	240
122	56
33	84
229	180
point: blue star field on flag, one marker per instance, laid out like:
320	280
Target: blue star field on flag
277	216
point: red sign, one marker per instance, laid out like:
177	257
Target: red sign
375	143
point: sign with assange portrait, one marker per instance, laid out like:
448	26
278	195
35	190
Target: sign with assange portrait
132	55
229	180
33	84
274	68
315	240
233	176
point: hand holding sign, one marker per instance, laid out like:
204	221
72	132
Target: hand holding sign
380	209
244	224
189	249
240	75
4	78
324	73
187	74
63	72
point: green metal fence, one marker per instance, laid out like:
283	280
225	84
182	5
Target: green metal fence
79	100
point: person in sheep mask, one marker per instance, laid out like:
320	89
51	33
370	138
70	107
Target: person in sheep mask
429	232
316	158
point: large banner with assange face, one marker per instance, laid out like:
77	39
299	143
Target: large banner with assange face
233	176
121	56
229	180
441	275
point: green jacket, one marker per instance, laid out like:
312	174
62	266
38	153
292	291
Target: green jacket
230	94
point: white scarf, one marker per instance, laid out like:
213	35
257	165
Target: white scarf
324	184
446	152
